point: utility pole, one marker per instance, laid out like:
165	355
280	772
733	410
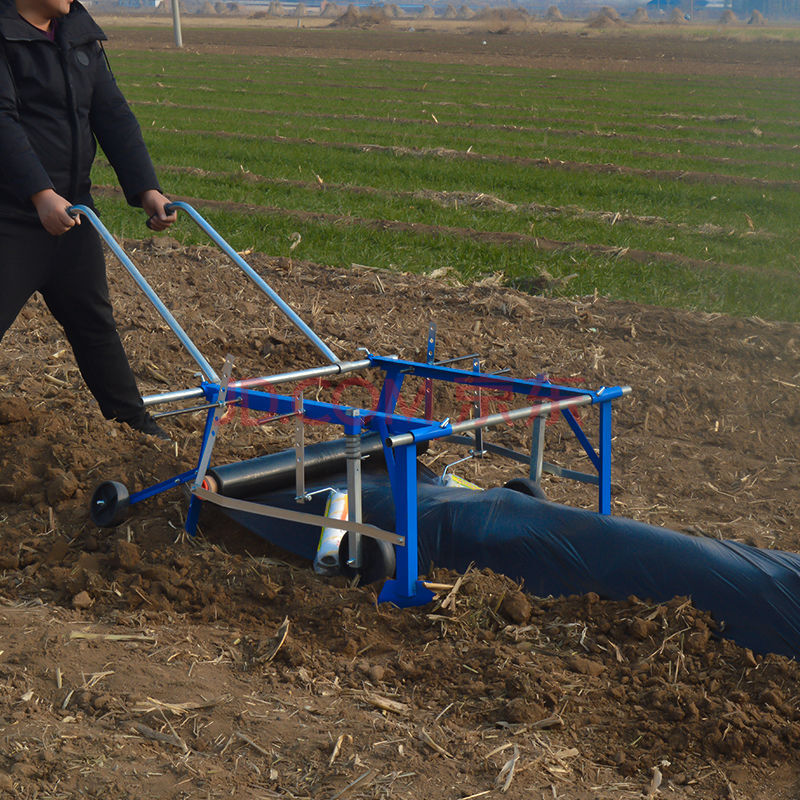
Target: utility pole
176	22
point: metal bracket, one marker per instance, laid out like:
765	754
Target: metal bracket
192	409
452	464
353	454
430	358
221	406
537	449
479	450
299	452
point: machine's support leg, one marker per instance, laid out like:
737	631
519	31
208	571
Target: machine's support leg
353	455
477	410
430	359
537	449
299	452
209	440
390	391
406	590
604	499
195	503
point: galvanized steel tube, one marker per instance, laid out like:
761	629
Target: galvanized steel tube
165	313
267	380
488	421
287	310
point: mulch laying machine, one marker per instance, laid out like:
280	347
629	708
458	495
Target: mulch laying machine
381	430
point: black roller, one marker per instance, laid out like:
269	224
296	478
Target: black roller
276	471
109	504
378	560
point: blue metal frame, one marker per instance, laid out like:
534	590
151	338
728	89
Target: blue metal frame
401	454
396	369
406	589
169	483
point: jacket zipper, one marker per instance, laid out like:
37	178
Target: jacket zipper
74	126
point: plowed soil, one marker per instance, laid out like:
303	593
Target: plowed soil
138	662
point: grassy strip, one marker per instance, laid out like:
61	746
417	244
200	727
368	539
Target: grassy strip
494	133
703	95
517	96
248	105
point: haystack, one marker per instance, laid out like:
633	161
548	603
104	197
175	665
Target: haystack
426	13
221	8
276	9
364	18
677	17
757	18
728	17
465	12
393	11
450	12
640	15
502	15
207	9
349	19
331	11
553	14
374	15
600	21
607	18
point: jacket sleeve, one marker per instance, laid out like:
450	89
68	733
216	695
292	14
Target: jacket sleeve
22	171
119	134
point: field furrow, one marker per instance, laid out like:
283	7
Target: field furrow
454	199
497	133
485	237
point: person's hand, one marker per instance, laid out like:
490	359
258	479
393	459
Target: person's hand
153	203
52	210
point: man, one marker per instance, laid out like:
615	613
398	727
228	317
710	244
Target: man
57	95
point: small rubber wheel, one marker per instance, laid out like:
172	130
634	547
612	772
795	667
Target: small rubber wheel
527	486
109	504
377	560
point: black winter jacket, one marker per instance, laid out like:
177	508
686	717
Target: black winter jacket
55	98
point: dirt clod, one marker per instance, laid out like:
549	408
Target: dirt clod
13	409
585	666
517	607
82	600
126	555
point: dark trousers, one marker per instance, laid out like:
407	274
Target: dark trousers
70	273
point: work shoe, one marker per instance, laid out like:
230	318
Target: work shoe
148	426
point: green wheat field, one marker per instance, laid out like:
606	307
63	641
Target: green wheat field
672	190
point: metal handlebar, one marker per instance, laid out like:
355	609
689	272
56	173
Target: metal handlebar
284	307
208	371
165	313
